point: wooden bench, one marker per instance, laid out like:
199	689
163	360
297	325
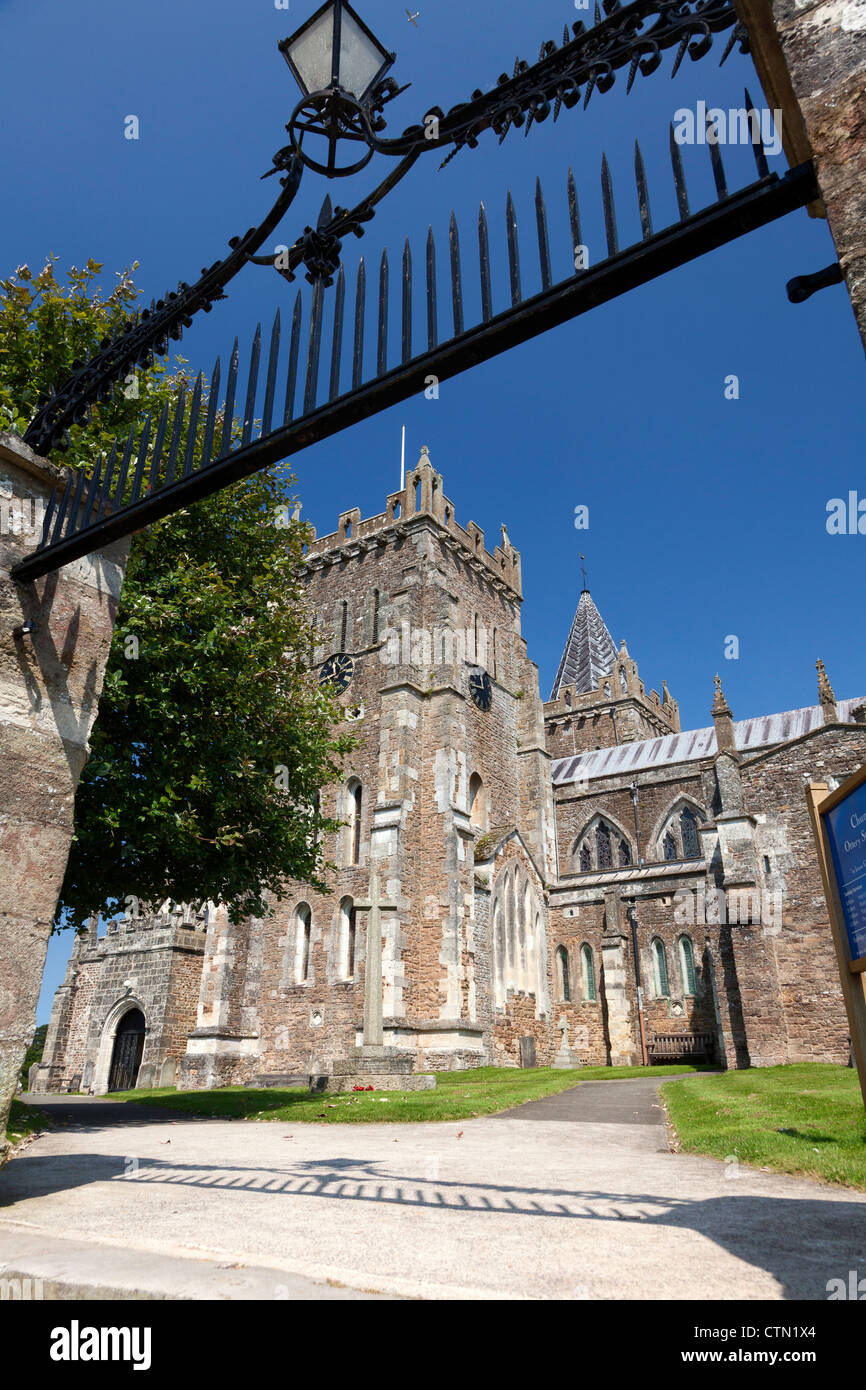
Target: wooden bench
681	1047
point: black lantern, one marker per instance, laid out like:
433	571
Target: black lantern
339	64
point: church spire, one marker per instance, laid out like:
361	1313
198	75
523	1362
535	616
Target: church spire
590	651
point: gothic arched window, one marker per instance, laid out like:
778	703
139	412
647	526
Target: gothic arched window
624	853
687	965
587	973
585	859
603	848
670	847
691	840
562	979
660	969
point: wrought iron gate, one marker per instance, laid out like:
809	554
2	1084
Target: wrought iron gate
199	448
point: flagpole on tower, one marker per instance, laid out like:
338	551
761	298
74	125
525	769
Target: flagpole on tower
403	461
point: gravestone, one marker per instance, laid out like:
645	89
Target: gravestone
527	1052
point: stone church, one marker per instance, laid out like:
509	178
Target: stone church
570	882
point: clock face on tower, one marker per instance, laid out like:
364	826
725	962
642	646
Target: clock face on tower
338	670
480	689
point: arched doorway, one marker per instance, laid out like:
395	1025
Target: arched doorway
126	1054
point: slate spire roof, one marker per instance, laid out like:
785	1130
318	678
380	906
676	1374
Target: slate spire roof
589	652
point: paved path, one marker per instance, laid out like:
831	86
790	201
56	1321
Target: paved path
500	1207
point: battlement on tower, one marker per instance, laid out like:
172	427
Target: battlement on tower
422	498
170	923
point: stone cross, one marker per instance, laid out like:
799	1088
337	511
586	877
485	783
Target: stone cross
373	1035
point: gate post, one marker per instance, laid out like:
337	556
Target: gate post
50	680
811	59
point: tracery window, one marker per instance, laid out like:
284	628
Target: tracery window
681	838
691	839
601	847
602	844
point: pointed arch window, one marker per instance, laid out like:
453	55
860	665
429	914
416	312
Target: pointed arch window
587	974
681	838
562	979
660	969
691	839
603	846
687	965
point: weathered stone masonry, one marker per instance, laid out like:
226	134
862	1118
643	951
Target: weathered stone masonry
570	880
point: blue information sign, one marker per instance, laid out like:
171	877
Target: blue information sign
846	835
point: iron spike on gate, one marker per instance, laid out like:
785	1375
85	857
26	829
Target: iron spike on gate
513	250
336	337
210	419
432	315
456	279
609	209
484	266
360	310
543	240
406	336
270	379
294	355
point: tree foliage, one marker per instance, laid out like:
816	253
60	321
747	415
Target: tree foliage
213	736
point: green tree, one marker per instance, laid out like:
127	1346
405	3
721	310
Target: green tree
213	736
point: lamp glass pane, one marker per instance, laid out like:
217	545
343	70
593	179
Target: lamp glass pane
360	57
311	52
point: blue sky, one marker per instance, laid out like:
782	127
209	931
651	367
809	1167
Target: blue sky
707	516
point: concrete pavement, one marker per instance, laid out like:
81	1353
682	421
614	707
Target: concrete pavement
588	1206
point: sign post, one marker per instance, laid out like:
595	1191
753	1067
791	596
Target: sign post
839	826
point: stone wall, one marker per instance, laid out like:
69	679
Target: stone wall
149	962
50	682
811	59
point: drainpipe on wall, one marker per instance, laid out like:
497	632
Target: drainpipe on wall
632	917
633	790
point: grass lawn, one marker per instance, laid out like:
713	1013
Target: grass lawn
806	1119
23	1120
458	1095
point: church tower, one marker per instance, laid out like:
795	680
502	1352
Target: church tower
447	798
598	699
